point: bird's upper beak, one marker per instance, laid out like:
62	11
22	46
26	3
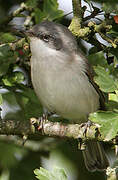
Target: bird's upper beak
28	32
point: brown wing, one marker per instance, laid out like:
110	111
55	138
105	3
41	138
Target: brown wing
101	95
89	73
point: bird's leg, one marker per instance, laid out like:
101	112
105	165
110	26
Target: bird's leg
43	119
86	126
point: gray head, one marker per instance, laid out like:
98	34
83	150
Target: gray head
55	35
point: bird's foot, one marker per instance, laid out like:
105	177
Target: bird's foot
42	120
86	126
38	124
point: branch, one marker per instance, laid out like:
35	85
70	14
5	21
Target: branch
76	21
15	13
49	128
77	8
92	28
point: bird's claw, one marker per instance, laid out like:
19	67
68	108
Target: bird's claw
42	120
86	127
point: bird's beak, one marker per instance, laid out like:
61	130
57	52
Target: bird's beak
27	32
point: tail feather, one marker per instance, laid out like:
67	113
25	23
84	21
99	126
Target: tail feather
95	157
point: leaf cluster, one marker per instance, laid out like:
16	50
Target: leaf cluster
56	174
16	91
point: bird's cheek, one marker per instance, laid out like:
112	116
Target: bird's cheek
58	44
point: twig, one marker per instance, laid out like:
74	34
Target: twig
108	39
77	30
77	11
93	14
77	19
101	29
53	129
14	14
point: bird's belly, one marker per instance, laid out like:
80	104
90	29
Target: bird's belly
65	95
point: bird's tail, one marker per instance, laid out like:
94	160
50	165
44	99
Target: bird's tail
95	157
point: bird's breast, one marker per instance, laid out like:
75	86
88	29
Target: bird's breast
63	89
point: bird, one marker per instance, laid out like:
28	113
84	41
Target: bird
63	81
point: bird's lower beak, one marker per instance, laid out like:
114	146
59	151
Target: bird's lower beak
28	32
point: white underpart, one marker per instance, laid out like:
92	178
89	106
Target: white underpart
62	86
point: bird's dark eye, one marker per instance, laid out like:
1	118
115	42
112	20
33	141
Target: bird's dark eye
46	38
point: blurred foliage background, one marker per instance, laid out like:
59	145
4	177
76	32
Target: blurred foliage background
19	102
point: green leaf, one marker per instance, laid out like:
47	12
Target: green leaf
7	38
113	97
97	59
56	174
108	121
43	174
8	151
50	11
104	79
16	77
114	52
39	15
110	7
7	82
113	33
6	58
1	100
112	104
28	102
60	173
4	174
32	3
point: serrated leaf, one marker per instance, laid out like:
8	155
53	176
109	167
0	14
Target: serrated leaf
59	172
43	174
104	80
108	121
97	59
6	58
39	15
56	174
32	3
50	11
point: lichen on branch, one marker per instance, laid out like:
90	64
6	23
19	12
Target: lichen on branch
49	128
